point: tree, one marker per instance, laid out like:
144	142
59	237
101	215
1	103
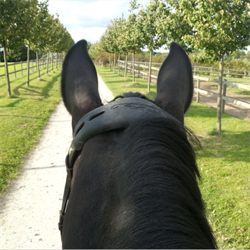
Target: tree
132	33
105	46
38	40
151	37
108	41
115	33
220	27
121	44
112	39
58	38
32	34
15	17
173	25
64	40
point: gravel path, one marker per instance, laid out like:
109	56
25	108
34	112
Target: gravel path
29	211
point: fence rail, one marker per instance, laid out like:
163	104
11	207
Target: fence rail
139	66
22	68
227	72
43	62
201	69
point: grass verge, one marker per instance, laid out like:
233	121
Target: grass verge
223	162
23	116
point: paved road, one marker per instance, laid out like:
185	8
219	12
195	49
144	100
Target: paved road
29	211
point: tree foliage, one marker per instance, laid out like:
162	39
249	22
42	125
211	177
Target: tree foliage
148	19
14	19
133	32
220	27
27	22
38	40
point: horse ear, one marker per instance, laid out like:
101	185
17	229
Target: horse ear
79	84
175	83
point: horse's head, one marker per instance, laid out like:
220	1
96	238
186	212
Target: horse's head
134	181
80	86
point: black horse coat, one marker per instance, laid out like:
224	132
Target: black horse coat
134	185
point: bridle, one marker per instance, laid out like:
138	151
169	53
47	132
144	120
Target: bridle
114	115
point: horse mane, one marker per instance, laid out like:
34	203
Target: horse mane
160	169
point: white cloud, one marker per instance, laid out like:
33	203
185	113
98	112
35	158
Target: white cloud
88	17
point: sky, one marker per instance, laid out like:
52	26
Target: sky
88	19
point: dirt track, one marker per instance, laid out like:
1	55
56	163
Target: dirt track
230	108
29	211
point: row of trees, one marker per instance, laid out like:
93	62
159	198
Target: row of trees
215	28
28	22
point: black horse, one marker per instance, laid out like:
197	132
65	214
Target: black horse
134	182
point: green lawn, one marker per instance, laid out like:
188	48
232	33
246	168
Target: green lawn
22	118
224	163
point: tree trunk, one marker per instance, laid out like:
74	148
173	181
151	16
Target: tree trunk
6	70
119	56
28	65
150	70
47	63
109	62
37	65
126	63
114	62
133	65
221	66
52	61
